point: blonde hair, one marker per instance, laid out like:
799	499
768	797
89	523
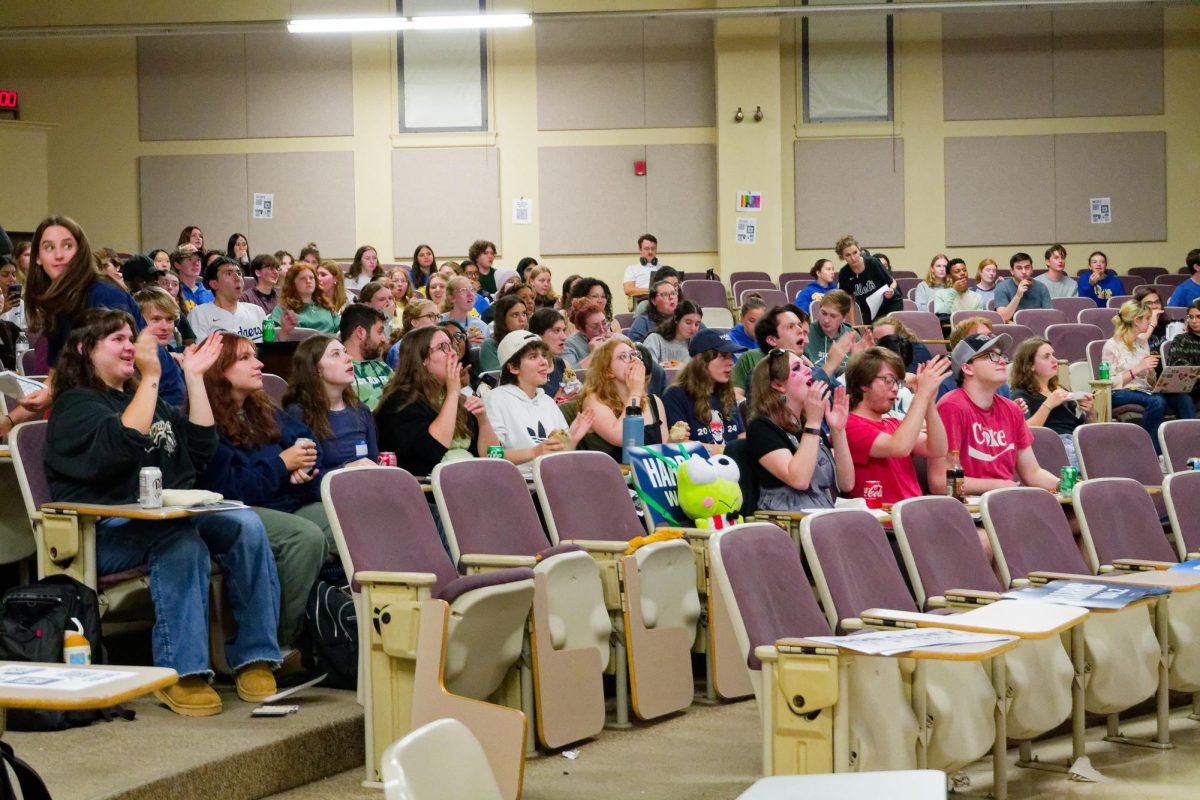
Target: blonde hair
843	243
929	276
602	385
536	271
157	298
452	286
1130	313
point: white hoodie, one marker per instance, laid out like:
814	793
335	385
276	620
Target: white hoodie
521	421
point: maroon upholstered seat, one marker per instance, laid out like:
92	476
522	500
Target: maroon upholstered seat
941	547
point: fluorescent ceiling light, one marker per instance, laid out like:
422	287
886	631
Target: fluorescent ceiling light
376	24
471	21
347	25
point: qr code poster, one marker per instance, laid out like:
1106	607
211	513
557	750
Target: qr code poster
522	211
747	232
1101	210
264	206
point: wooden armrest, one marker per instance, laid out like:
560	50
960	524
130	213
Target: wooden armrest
1140	565
971	597
497	561
396	578
937	601
891	618
793	516
1041	578
599	545
699	534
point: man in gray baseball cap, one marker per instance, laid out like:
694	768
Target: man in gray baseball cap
994	443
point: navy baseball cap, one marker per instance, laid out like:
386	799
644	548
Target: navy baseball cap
708	339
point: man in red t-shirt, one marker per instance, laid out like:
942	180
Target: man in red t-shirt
883	447
989	432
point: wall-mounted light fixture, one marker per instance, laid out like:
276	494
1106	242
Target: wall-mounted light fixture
758	114
738	116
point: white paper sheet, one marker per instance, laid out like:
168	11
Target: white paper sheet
57	678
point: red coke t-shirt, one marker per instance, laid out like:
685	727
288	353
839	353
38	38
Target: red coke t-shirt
898	475
987	439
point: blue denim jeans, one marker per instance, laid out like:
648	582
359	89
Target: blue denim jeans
1154	408
177	553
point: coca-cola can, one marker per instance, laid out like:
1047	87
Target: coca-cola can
873	494
387	459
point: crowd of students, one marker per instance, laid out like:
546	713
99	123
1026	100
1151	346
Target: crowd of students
159	365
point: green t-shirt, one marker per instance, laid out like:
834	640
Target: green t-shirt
370	378
312	316
744	367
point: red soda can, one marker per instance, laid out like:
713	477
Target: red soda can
387	459
873	494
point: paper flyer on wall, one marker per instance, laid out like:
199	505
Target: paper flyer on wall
60	679
888	643
1087	595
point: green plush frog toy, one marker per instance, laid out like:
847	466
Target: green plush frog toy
709	492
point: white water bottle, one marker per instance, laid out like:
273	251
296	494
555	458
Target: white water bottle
77	649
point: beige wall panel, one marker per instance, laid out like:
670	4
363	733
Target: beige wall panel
849	186
209	191
314	201
999	190
191	87
590	75
1130	168
24	152
446	198
591	200
680	74
298	86
997	66
681	197
1108	63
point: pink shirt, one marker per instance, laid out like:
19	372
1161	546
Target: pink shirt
987	440
898	475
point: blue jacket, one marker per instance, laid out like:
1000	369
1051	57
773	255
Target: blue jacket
1111	286
810	292
739	336
258	477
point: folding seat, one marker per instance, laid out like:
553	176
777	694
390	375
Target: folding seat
1181	491
856	574
649	590
960	316
1118	300
705	293
1179	440
777	297
741	286
717	317
1149	273
1049	450
927	327
1121	529
750	275
793	287
491	523
1071	306
655	482
275	387
1070	339
431	644
1038	319
441	760
826	709
1018	333
1100	317
1119	450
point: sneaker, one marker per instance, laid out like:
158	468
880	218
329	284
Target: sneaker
191	697
255	682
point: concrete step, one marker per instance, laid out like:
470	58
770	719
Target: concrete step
232	756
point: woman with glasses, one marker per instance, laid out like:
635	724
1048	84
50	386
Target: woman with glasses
1133	367
664	297
795	467
304	301
1158	334
420	313
881	445
459	307
1034	379
668	344
423	417
615	381
596	290
510	314
1185	348
591	331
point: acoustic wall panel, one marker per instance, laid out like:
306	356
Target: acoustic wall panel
1129	168
626	74
681	74
681	197
590	75
298	86
997	66
313	201
191	87
591	200
446	198
849	186
999	190
209	191
1108	63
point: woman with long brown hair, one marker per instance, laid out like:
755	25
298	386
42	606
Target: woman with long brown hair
423	417
511	314
364	268
321	394
266	459
703	394
304	302
616	381
1033	377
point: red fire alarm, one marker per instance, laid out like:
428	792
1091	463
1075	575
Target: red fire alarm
639	168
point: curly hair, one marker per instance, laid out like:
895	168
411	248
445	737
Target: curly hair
583	288
695	380
307	390
250	424
582	308
413	383
289	298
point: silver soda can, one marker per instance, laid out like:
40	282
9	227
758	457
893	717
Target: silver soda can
150	487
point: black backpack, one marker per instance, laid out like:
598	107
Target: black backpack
331	640
33	619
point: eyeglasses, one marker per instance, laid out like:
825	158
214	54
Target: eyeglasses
994	356
442	347
1193	316
625	356
458	337
666	294
432	315
464	290
888	380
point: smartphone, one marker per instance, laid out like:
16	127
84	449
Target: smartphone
15	290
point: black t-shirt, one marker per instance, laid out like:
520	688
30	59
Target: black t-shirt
861	285
405	432
1061	419
763	436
